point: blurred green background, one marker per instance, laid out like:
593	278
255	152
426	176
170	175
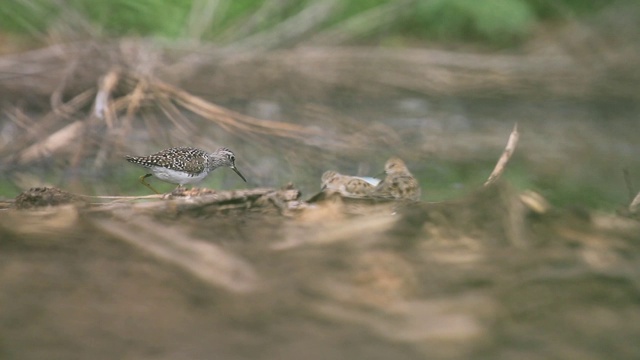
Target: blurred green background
494	22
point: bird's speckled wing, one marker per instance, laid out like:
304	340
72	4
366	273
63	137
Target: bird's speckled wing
399	187
189	160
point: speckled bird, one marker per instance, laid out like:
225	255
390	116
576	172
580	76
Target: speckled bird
350	186
399	184
184	165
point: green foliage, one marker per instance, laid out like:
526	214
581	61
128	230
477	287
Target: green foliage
352	8
496	21
443	181
580	192
144	17
30	17
499	22
553	9
230	12
8	189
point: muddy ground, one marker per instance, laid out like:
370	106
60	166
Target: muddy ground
261	274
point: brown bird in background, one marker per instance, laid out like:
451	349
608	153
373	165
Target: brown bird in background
399	184
349	186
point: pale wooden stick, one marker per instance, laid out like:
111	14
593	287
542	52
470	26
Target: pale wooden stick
506	155
633	207
106	86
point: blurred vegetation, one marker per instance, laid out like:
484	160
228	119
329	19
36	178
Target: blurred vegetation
447	181
496	22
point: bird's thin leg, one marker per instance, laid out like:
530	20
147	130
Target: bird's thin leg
147	184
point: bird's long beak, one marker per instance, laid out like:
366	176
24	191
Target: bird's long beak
238	172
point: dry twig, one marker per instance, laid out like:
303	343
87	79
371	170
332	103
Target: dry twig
506	155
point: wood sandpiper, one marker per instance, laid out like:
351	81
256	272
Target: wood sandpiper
184	165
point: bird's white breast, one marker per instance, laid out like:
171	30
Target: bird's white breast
177	177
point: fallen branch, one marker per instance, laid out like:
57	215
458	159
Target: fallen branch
53	143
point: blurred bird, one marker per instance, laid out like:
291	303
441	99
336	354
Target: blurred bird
349	186
399	184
